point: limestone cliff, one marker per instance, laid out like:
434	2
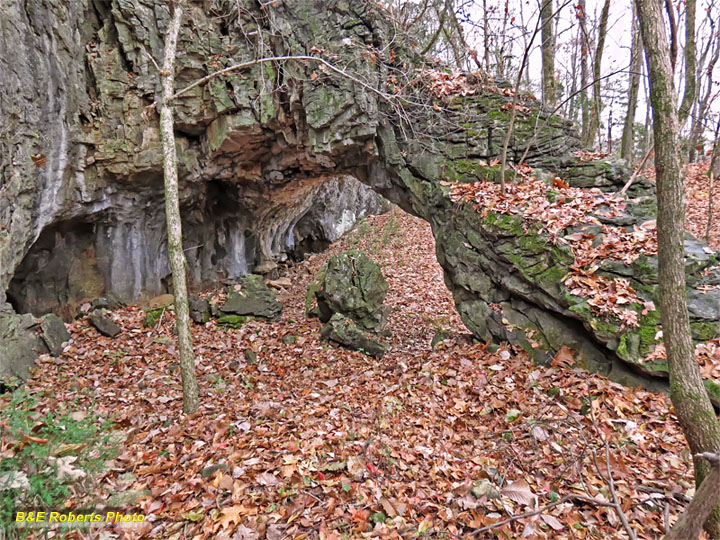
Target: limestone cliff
81	206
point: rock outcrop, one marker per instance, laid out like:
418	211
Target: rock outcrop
81	198
349	291
80	176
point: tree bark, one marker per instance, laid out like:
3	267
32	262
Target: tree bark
594	122
706	498
584	68
548	55
692	404
500	60
673	32
690	69
172	214
627	145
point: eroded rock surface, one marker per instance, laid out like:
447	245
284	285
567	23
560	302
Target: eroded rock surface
344	331
352	283
350	293
23	338
251	297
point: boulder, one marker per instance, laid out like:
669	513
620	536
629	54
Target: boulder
20	344
345	332
352	284
104	324
23	338
250	296
54	333
199	309
164	300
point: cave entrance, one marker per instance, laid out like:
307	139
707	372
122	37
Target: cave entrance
59	272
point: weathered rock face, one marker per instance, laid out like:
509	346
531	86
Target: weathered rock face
258	145
350	291
23	338
352	283
84	216
344	331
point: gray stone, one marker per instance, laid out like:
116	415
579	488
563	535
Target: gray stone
199	309
208	471
54	333
704	305
20	345
345	332
250	296
352	283
104	324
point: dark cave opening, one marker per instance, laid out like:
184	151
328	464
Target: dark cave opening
59	272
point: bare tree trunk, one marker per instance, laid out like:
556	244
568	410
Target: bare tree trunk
503	36
584	68
673	32
704	104
690	522
486	36
693	408
628	135
572	83
690	74
172	213
548	55
594	125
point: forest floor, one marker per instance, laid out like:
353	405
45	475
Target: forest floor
298	439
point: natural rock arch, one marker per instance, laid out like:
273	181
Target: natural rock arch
81	162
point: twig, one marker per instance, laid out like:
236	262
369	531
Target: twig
311	495
708	225
561	500
609	478
637	171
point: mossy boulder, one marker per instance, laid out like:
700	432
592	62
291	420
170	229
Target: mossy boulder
153	317
353	284
234	321
250	296
343	331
